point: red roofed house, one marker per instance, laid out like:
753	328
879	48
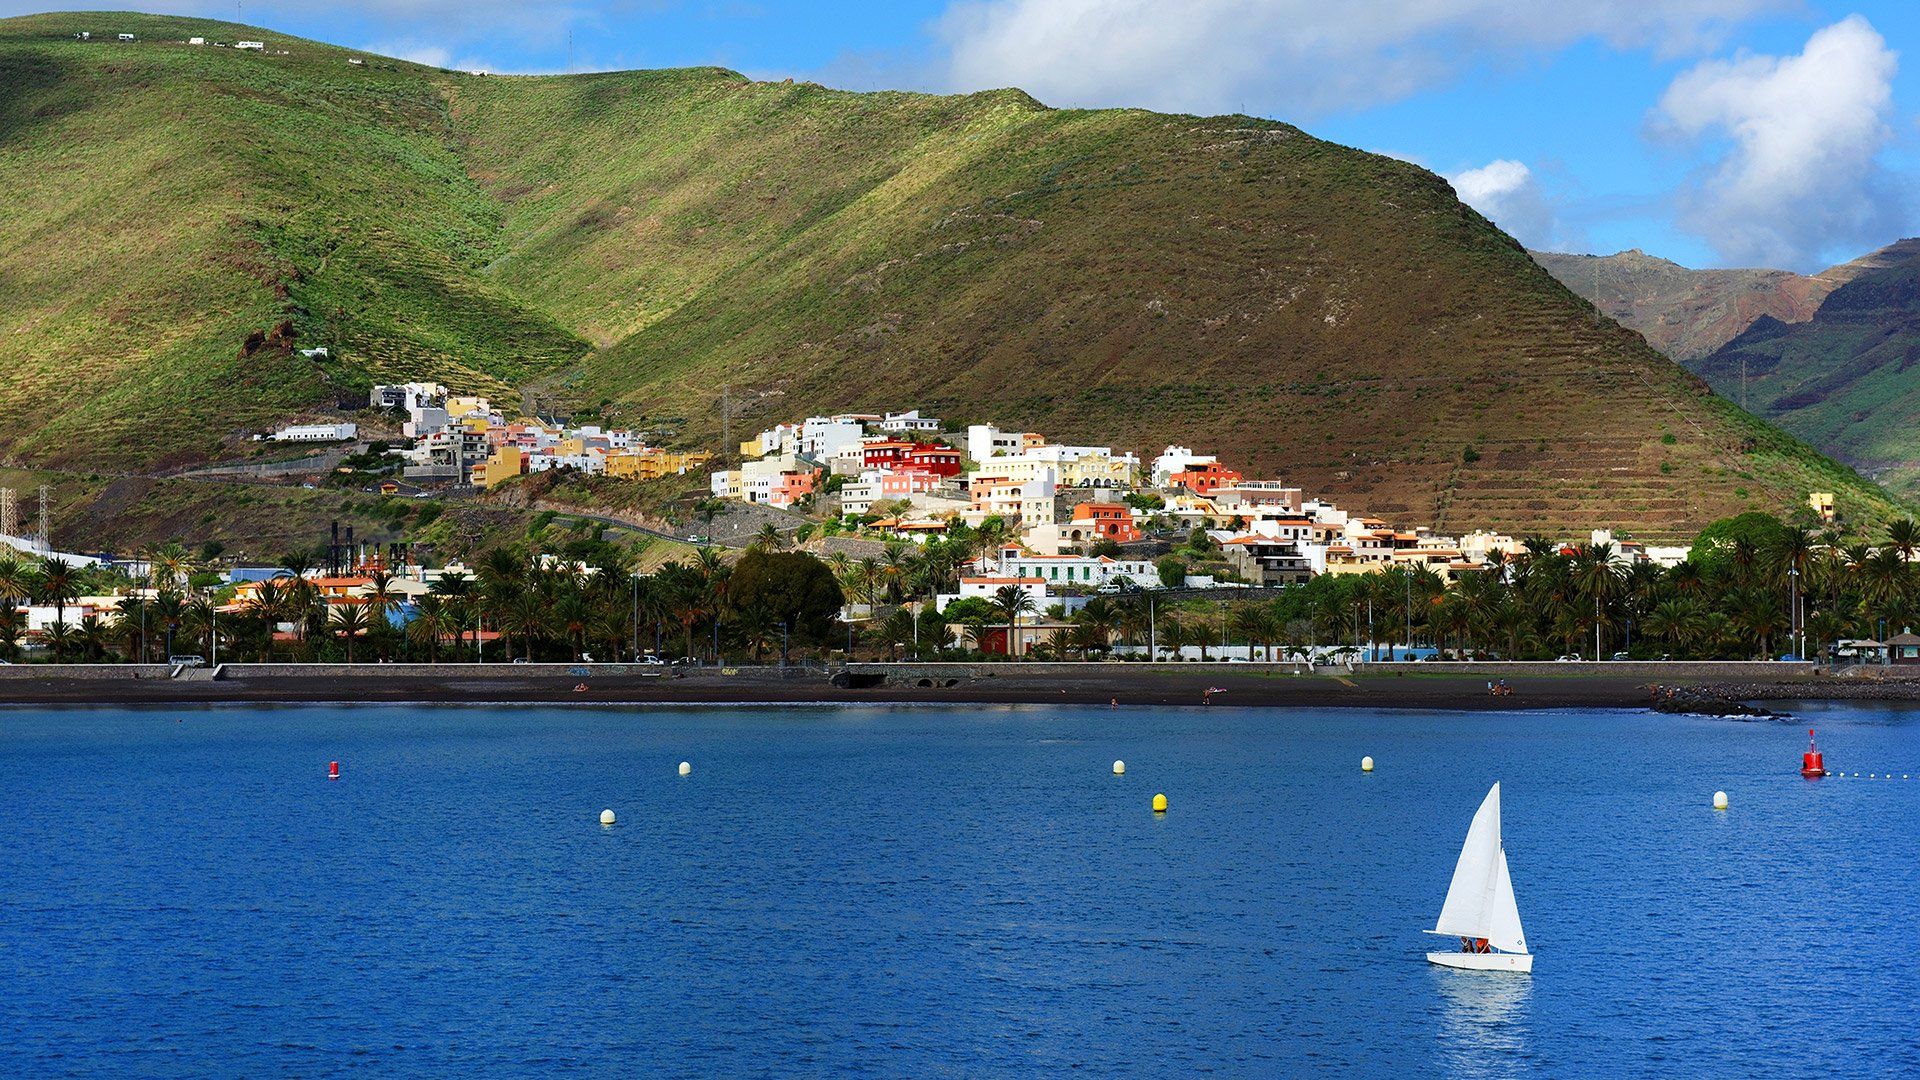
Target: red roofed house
1205	479
1103	521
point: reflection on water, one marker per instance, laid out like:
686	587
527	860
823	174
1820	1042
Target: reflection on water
1483	1021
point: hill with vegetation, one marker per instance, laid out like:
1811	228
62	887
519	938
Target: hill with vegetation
1846	378
185	223
1828	357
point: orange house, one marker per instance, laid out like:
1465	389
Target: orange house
1108	521
1205	479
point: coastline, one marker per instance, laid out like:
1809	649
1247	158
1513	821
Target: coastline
1380	686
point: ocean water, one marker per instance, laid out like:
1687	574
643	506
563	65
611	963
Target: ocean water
935	892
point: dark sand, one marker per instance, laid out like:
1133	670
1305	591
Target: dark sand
1099	685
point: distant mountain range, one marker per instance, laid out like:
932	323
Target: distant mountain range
1830	357
182	225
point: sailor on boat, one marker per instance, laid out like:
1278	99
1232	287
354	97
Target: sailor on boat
1480	909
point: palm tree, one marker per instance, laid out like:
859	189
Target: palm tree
59	585
1680	622
1011	602
574	614
92	636
170	611
429	623
12	627
348	621
1903	536
133	626
769	538
526	619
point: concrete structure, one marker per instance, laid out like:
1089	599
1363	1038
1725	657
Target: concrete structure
316	433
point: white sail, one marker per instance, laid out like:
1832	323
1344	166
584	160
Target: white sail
1480	900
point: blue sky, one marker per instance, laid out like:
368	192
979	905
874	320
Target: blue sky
1712	132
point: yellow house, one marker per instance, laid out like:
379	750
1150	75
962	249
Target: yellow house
651	463
458	407
1822	503
504	463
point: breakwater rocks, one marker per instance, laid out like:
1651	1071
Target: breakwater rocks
1710	701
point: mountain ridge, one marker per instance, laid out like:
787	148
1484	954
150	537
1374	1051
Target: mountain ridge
1826	356
627	244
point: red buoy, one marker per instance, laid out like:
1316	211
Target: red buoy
333	770
1811	764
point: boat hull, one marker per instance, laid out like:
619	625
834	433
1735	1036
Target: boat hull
1485	961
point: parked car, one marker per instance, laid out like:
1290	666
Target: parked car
1567	659
651	661
187	661
1621	656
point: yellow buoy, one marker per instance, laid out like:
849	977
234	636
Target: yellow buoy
1159	804
606	817
686	768
1119	768
1366	764
1719	800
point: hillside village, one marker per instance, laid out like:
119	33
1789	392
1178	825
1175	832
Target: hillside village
1076	519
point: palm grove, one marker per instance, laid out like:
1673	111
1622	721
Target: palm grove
1753	587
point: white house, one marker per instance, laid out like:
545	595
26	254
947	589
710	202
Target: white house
986	441
1086	571
1177	459
822	437
907	422
255	45
985	587
317	433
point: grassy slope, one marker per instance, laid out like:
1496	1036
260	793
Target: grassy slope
1308	310
166	201
1335	317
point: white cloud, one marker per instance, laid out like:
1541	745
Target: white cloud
1299	57
1512	197
1801	174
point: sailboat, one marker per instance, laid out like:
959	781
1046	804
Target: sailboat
1480	910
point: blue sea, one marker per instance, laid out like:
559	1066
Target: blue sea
934	891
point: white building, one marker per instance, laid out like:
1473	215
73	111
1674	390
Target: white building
822	437
255	45
908	422
986	441
985	587
317	433
1177	459
1083	570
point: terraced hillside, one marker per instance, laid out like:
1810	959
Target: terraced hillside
191	218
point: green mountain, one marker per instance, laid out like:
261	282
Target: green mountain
182	221
1846	378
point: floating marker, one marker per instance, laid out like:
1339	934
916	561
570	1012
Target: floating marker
1159	804
1119	768
1719	800
606	817
1366	764
686	768
333	770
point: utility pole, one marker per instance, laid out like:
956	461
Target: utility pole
9	514
1153	632
726	425
45	547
